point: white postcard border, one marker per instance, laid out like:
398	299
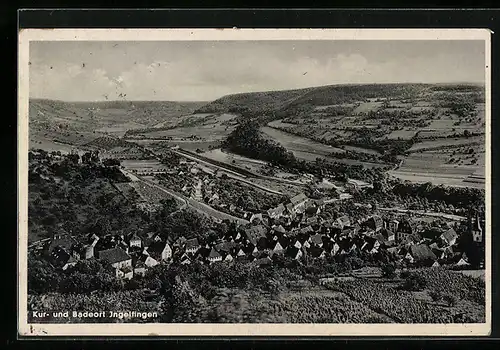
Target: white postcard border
162	329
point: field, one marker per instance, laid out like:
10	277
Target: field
142	165
77	123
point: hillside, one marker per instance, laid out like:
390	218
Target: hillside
315	96
75	123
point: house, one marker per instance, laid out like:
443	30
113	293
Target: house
315	252
257	216
449	237
421	253
375	223
192	245
297	244
278	248
298	202
185	260
389	235
477	231
462	262
62	259
161	251
306	230
241	254
312	210
117	257
435	264
214	256
311	220
140	268
150	262
62	240
279	229
277	212
343	221
125	272
293	252
393	225
228	258
335	249
254	233
135	241
407	226
316	240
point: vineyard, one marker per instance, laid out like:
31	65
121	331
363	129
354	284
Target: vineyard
149	193
309	307
459	285
403	307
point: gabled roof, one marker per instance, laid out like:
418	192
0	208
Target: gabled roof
343	220
422	252
192	243
114	255
317	239
279	229
292	251
307	229
156	247
214	254
276	211
449	235
255	232
301	197
314	251
65	241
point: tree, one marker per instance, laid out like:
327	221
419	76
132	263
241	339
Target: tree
415	283
389	271
450	299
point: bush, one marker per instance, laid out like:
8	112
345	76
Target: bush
450	299
388	271
436	295
415	283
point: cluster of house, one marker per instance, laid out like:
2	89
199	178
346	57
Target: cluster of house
294	230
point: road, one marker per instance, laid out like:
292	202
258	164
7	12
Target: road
432	214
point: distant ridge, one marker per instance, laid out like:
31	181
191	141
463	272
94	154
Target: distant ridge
321	95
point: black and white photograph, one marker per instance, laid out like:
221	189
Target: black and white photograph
208	181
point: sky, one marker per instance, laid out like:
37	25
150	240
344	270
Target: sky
207	70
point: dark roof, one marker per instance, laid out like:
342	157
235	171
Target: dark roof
60	256
317	239
449	235
292	251
65	241
192	243
314	251
214	254
114	255
306	229
255	232
225	246
422	252
377	221
156	247
276	211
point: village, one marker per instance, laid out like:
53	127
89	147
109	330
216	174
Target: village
292	230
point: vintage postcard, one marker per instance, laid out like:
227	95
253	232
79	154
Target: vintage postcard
241	182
